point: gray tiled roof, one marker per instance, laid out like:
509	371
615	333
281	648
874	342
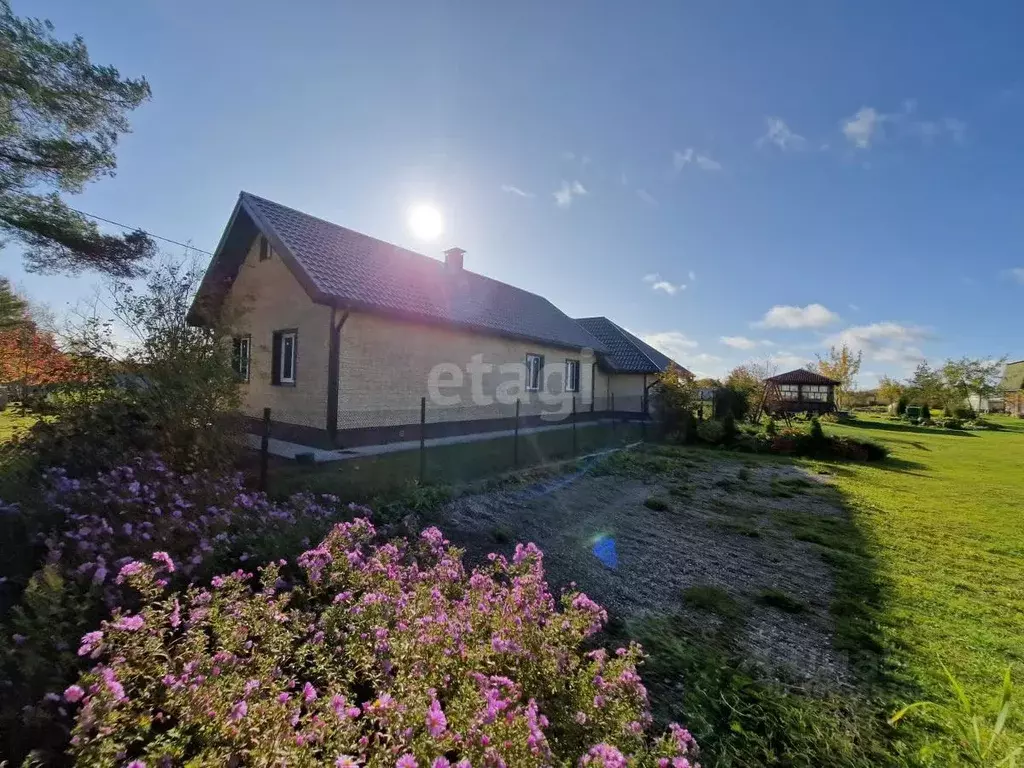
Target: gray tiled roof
801	376
626	353
341	266
1013	377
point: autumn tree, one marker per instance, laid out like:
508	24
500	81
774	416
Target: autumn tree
842	365
60	119
890	390
747	381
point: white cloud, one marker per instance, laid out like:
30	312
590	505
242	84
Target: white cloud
693	276
884	342
670	288
675	344
811	316
867	126
659	284
646	196
689	155
861	129
568	190
854	307
1017	273
738	342
514	190
787	361
781	136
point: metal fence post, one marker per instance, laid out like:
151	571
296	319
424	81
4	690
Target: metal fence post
612	396
515	439
423	437
265	450
574	426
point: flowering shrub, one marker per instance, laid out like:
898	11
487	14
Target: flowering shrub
87	529
385	655
144	506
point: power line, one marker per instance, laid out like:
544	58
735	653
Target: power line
137	229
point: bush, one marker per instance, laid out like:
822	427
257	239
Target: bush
953	424
85	530
816	433
728	428
771	428
712	432
926	412
385	655
901	405
964	413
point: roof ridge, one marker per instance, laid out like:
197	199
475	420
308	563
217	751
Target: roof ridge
629	337
409	251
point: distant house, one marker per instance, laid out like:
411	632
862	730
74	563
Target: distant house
628	369
800	391
346	337
1012	388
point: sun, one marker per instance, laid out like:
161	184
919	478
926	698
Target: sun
426	222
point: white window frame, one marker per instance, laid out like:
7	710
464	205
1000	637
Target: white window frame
241	363
572	382
293	335
534	372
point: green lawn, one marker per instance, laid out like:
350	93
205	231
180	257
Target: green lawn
944	520
12	422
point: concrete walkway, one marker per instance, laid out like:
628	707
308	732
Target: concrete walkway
288	450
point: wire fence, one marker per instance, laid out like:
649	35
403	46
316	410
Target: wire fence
433	443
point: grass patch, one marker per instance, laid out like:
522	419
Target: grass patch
12	422
943	512
740	528
776	598
744	475
740	720
707	597
656	503
681	490
363	479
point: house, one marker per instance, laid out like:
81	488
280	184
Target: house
800	391
1012	387
351	340
628	370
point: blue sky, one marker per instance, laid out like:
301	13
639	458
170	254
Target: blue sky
856	167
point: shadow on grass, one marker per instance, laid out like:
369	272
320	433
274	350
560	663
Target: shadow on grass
699	673
895	426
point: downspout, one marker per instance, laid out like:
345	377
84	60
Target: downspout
334	369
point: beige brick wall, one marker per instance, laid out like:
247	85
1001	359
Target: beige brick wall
386	366
265	298
628	389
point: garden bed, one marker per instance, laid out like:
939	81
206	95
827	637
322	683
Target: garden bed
706	536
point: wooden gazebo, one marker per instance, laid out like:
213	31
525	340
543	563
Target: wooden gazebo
799	391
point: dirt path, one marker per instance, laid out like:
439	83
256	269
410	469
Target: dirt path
719	529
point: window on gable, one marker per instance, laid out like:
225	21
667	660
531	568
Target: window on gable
240	356
572	375
285	354
264	248
534	376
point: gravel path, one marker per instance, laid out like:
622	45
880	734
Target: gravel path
720	533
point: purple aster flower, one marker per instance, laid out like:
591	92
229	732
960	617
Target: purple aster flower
239	710
345	761
90	642
164	559
131	623
127	570
436	720
74	694
406	761
308	692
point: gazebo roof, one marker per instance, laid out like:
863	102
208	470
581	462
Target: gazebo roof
801	376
